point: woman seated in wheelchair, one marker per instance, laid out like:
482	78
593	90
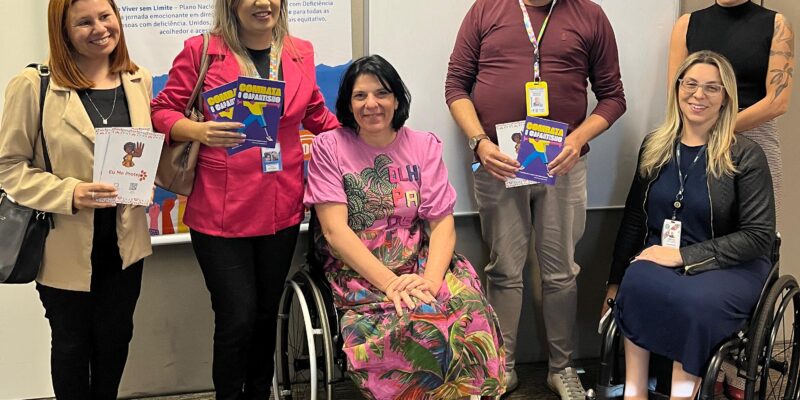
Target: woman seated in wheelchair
416	324
698	226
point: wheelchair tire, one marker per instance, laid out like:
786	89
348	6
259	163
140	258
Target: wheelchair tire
611	380
773	356
327	317
301	352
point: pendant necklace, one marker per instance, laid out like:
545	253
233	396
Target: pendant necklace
113	104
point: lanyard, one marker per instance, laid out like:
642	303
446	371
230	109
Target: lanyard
274	63
682	178
535	41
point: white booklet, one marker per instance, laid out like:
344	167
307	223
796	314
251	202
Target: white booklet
127	158
509	136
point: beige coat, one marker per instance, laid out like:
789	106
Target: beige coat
70	142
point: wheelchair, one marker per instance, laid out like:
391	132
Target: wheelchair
766	351
309	358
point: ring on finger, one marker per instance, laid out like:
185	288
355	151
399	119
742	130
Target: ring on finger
91	193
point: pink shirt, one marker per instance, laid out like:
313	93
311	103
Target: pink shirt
231	196
386	187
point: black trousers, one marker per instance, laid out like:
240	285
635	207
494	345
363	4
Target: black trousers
90	331
245	277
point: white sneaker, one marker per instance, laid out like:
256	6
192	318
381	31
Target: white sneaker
512	382
566	384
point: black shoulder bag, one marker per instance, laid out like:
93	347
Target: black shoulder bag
23	229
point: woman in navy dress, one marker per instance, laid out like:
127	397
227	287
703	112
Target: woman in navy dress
692	252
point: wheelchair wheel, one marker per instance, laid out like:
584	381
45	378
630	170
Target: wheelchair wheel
302	353
328	322
773	360
611	380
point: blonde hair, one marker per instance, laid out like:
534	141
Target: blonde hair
226	25
62	63
659	145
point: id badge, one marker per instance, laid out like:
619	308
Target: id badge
671	234
271	159
536	99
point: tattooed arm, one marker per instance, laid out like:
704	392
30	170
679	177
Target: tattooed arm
779	79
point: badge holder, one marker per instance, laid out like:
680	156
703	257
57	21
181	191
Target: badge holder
671	234
537	99
271	160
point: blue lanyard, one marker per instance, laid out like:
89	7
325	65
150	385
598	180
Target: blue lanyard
678	203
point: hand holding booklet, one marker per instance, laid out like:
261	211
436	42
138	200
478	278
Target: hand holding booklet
509	138
256	103
541	141
127	158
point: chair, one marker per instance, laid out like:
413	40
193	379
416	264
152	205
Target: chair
309	357
765	351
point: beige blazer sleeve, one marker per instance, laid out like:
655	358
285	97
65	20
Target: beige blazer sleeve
22	172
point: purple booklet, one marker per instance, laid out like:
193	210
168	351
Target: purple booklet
258	106
220	101
541	142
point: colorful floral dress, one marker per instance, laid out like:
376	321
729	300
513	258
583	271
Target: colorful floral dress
448	350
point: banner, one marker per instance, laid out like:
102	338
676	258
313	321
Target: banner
156	29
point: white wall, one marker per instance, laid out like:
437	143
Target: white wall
24	33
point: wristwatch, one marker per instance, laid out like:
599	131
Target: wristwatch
473	141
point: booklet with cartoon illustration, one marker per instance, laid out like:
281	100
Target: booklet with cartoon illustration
541	142
127	158
509	138
221	100
259	103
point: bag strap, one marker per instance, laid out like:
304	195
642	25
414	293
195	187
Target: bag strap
44	79
44	83
205	62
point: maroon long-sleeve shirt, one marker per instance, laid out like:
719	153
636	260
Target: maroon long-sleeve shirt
493	59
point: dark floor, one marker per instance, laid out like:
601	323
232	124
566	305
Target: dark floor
532	385
532	382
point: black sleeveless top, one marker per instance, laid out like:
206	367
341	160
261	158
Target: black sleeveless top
743	34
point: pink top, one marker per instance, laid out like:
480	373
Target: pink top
231	196
383	187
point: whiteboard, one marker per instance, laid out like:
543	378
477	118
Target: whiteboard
417	37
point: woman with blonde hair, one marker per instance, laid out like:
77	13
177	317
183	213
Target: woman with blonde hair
244	220
692	252
759	43
91	273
